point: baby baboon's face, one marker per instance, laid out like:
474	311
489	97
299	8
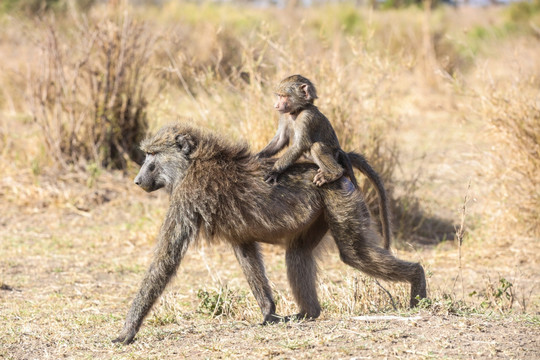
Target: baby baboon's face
282	104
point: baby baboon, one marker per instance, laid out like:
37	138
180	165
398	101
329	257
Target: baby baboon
301	122
217	190
312	135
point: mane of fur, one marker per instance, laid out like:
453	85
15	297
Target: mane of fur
224	178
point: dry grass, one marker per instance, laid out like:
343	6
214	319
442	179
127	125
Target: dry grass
513	114
90	93
435	101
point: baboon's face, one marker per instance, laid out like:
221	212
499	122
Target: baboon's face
167	160
283	104
148	177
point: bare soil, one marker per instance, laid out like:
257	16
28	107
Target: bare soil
69	274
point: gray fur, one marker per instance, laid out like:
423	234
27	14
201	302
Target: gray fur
216	189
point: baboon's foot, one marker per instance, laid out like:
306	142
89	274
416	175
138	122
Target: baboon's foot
323	177
126	337
273	319
300	317
418	287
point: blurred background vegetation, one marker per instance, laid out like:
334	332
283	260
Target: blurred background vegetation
84	81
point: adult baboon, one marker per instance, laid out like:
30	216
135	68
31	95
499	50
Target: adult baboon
217	190
311	134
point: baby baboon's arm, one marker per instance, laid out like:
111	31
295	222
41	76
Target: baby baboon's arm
300	144
278	142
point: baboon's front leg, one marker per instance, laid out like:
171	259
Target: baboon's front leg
252	265
154	283
174	238
302	275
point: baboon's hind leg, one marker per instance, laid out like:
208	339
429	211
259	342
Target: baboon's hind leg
380	263
329	169
302	275
358	247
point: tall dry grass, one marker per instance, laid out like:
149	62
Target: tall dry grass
513	115
90	92
101	83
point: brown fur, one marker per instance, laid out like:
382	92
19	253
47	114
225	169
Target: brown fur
216	188
312	135
310	132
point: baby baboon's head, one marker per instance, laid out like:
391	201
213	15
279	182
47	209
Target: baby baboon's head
298	91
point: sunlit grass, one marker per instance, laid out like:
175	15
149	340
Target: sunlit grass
434	101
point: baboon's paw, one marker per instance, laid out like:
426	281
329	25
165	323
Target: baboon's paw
124	338
273	319
271	177
299	317
319	179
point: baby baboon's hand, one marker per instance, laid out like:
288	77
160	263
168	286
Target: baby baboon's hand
272	177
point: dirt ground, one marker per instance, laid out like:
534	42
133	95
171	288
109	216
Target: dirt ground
69	275
73	255
74	248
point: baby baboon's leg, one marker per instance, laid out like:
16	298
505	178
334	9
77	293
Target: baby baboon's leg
329	169
252	265
358	247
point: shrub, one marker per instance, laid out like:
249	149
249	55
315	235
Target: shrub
90	94
514	116
36	7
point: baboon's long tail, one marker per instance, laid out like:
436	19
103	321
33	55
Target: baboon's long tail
359	162
343	160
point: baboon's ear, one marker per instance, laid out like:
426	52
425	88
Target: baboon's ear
305	89
185	143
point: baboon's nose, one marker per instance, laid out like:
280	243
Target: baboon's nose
137	181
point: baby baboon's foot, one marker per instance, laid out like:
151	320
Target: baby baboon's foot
320	179
325	177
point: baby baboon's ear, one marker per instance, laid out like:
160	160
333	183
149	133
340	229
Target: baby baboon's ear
185	143
305	90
